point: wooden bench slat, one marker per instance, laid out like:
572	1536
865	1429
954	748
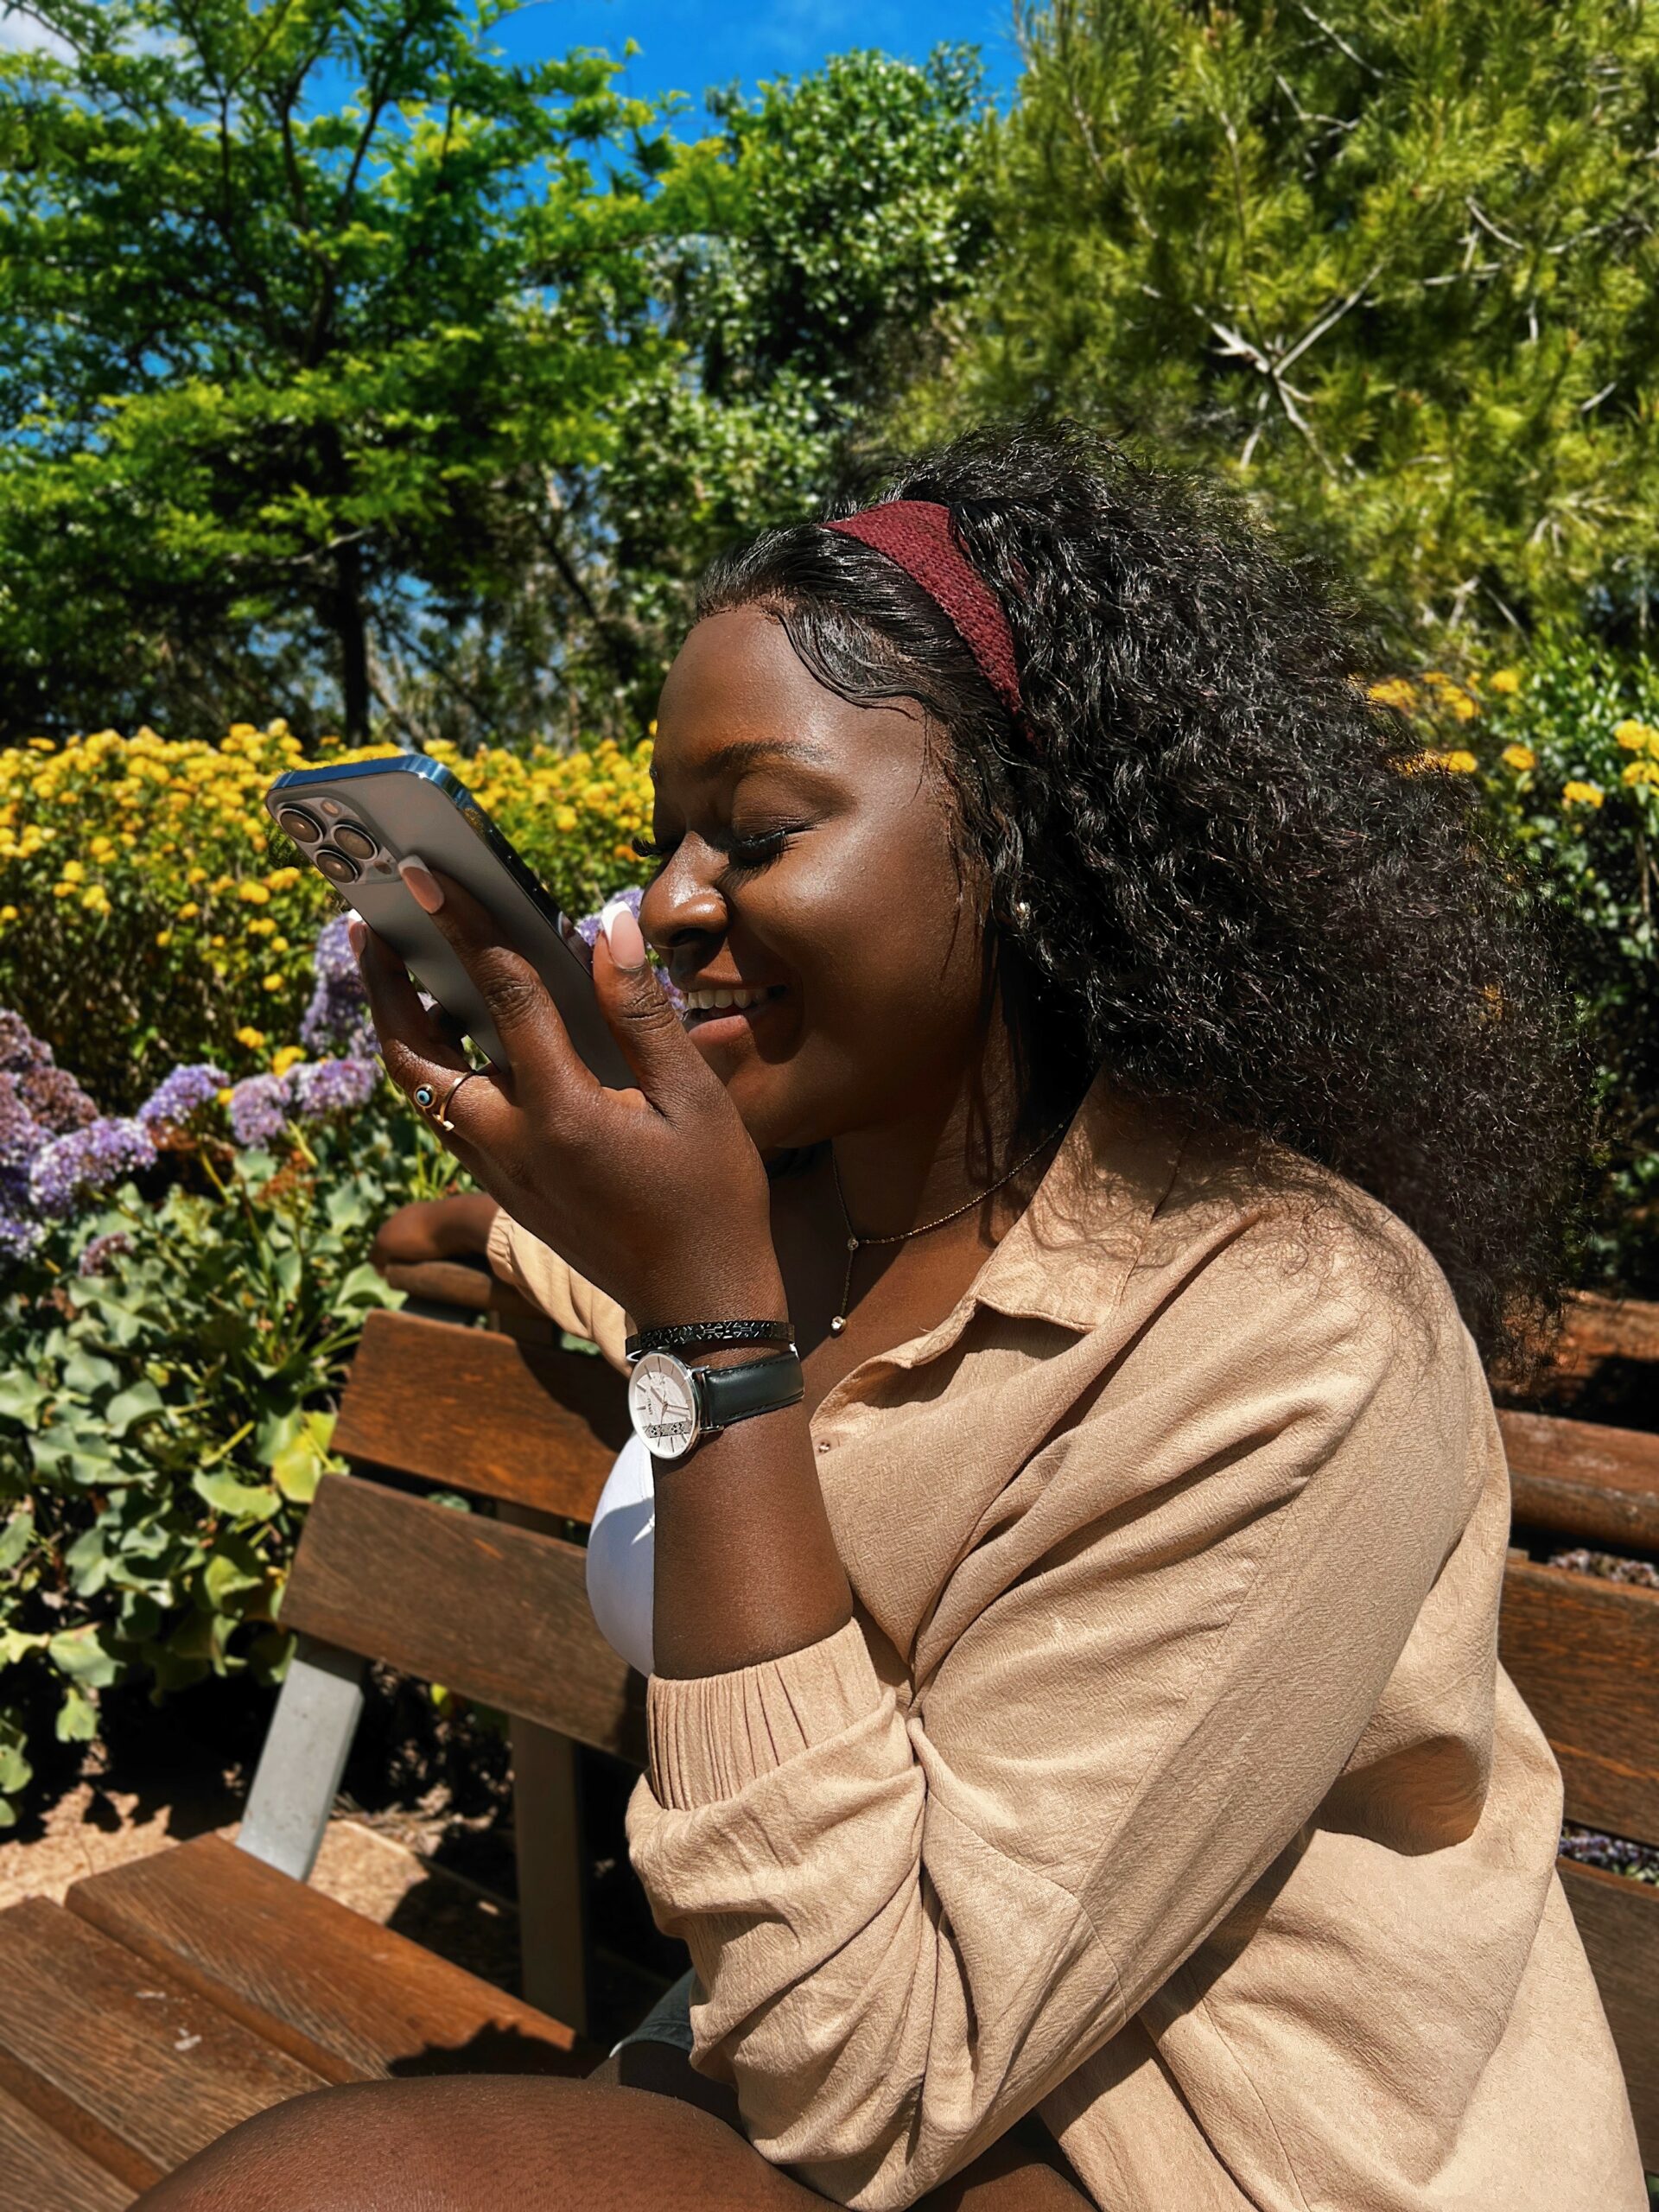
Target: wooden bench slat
1597	1484
1619	1920
123	2061
1598	1327
351	2001
41	2172
1585	1655
482	1412
499	1613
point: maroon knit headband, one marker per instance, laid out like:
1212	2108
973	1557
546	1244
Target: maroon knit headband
918	536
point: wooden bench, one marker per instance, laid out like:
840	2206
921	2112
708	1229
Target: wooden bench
172	1997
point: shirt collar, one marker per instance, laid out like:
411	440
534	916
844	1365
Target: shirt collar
1069	1254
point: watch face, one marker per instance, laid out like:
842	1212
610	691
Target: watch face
663	1406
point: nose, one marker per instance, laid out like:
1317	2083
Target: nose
682	908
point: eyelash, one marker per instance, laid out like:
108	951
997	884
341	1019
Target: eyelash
745	853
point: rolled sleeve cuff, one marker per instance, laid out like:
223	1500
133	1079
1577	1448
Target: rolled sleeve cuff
713	1735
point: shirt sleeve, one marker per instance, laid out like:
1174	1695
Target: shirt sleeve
554	1288
1134	1690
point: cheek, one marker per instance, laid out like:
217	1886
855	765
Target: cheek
886	938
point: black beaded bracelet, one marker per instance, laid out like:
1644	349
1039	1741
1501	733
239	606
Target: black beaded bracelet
682	1336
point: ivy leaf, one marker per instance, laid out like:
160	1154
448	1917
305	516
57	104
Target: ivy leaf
22	1398
301	1464
85	1374
77	1721
226	1493
366	1285
81	1653
18	1534
135	1403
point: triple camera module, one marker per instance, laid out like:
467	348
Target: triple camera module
340	848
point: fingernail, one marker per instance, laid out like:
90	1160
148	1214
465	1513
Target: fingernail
422	884
357	935
624	936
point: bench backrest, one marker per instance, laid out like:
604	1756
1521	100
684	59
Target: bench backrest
497	1612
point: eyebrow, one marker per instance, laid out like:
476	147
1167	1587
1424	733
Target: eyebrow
750	752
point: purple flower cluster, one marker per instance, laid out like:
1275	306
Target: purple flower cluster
177	1096
338	1017
260	1106
632	897
95	1259
333	1086
85	1161
55	1147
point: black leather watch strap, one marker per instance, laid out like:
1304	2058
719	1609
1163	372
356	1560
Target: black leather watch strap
726	1395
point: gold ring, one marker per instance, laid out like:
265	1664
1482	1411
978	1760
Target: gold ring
424	1097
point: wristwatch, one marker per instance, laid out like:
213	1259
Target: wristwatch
674	1407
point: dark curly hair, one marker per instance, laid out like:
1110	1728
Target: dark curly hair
1210	863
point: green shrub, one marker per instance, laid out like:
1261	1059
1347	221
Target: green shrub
1566	743
164	1418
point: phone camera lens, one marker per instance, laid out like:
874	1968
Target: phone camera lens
352	840
299	825
337	866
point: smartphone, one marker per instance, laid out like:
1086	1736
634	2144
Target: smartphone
353	823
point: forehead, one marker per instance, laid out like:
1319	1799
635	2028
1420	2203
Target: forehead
737	695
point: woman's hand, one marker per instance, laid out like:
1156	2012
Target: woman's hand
657	1195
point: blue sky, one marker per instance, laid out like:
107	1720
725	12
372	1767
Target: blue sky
689	45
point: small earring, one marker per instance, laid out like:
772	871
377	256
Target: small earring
1022	910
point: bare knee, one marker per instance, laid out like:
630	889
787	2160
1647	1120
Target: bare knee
476	2144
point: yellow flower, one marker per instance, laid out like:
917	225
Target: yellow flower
8	913
95	898
163	937
1392	691
40	744
564	817
216	942
274	982
1519	757
1641	771
1581	794
283	878
63	891
253	1038
189	912
1462	705
72	872
279	944
1506	680
261	925
1632	735
224	1094
282	1061
1459	764
195	875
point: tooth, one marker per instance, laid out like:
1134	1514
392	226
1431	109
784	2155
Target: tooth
740	999
723	998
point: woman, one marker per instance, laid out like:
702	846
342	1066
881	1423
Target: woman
1078	1711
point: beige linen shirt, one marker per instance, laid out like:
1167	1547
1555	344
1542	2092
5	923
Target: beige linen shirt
1166	1781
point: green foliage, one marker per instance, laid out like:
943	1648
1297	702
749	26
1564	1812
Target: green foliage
164	1421
430	401
1587	812
1392	266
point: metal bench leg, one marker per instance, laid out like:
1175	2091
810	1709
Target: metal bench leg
304	1755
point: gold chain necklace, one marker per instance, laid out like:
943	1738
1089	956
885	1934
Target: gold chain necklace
855	1243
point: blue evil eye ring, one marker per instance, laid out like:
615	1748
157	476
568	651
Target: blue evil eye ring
424	1095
